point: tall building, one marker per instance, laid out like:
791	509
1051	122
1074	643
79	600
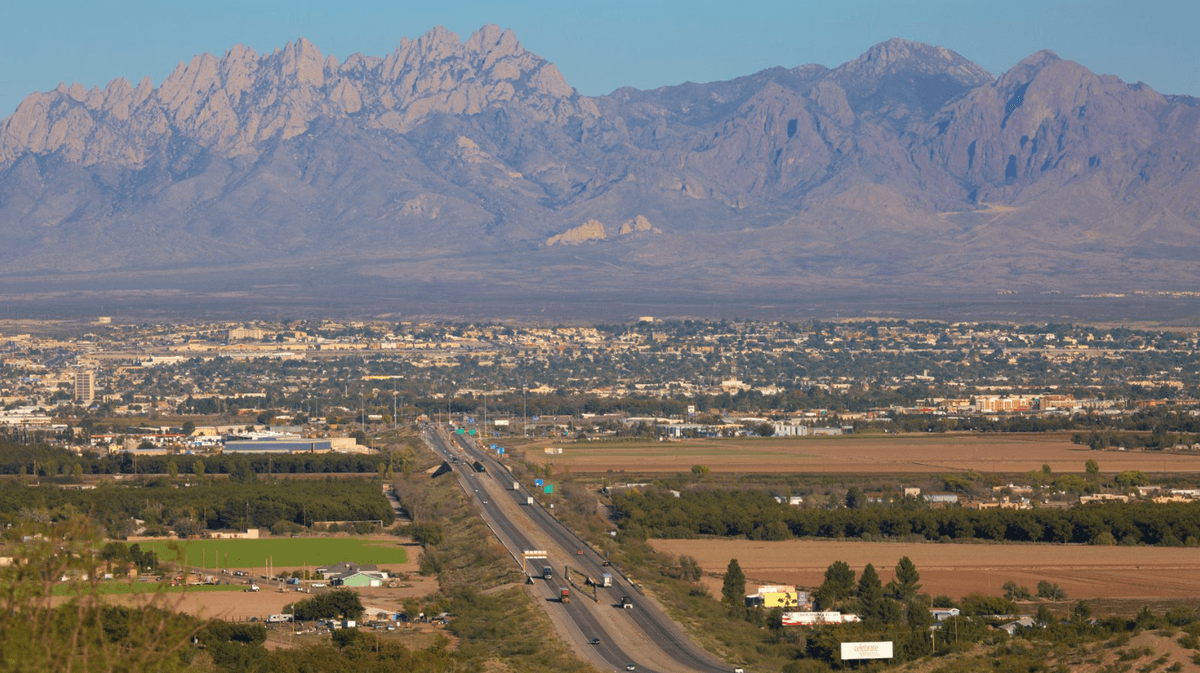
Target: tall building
85	387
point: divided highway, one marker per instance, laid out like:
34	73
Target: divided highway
655	627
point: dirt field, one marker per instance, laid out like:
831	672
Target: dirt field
959	569
1010	453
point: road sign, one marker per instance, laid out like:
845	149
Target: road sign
460	431
538	482
548	488
493	447
472	432
500	450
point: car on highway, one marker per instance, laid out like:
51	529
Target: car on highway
579	552
630	667
594	641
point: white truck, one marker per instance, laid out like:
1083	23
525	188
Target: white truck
278	619
606	580
516	486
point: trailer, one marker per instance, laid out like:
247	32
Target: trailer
606	580
516	486
279	619
564	595
529	500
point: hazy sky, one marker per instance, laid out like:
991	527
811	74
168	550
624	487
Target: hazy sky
602	44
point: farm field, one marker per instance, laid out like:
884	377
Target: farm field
283	552
891	454
959	569
119	587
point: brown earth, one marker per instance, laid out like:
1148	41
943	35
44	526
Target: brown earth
916	453
960	569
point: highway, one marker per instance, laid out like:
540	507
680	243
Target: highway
656	629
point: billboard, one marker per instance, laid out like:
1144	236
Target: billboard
538	482
877	650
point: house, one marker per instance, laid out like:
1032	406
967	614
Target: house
942	614
358	579
345	568
1012	627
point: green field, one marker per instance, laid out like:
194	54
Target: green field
283	552
115	587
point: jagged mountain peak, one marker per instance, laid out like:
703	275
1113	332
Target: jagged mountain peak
232	103
480	145
899	77
900	55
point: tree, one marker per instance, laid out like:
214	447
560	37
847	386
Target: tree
838	585
1045	470
855	498
172	469
188	427
733	592
1092	467
1015	592
689	569
198	468
1044	616
870	597
1131	478
906	584
1050	591
700	471
1081	612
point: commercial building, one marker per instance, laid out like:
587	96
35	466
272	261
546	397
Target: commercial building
85	387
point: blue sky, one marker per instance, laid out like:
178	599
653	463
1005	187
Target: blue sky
599	45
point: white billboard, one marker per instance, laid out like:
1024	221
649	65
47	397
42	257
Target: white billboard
880	650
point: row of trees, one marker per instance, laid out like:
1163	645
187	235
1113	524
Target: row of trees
47	461
209	506
756	515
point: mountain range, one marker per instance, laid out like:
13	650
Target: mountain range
471	173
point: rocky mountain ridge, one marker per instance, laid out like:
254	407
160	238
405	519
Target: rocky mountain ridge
908	165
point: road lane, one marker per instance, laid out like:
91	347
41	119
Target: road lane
586	626
654	624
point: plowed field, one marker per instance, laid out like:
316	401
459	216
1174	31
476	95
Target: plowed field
1010	453
960	569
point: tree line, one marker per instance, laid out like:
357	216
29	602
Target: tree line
756	515
48	461
213	505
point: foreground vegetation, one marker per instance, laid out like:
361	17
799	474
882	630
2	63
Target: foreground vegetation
497	626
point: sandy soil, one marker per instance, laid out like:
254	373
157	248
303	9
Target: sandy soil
959	569
1010	453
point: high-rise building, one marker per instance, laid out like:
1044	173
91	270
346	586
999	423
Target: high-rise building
85	387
